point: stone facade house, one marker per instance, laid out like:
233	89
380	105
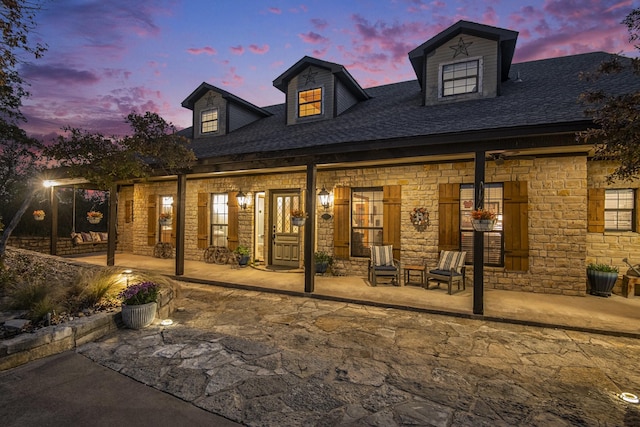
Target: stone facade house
472	124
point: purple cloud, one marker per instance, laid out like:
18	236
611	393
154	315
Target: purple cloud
207	50
319	24
237	50
275	10
313	38
259	50
58	73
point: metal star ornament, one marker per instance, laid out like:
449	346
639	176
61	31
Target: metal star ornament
461	47
310	76
210	100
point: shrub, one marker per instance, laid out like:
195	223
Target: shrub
140	293
602	267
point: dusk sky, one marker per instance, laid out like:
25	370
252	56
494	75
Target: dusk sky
108	58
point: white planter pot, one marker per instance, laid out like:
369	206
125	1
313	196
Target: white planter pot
139	316
93	220
298	222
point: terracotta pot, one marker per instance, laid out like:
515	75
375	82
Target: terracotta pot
139	316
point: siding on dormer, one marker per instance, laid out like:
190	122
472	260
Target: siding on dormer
211	100
479	48
344	98
239	117
324	79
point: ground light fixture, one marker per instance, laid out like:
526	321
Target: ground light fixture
167	322
127	274
629	397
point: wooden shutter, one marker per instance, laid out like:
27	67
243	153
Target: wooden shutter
595	210
515	223
203	223
232	238
449	217
151	219
341	222
392	202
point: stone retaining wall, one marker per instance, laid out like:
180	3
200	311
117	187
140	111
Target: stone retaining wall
55	339
64	245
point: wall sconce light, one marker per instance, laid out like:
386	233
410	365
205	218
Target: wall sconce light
242	200
324	197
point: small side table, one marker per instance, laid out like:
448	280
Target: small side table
629	284
408	269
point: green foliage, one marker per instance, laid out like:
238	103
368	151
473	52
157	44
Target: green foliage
34	296
323	258
91	288
154	146
616	135
242	250
602	267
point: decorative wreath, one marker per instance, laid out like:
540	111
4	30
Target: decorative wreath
420	218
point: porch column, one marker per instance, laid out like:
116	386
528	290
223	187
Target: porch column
53	249
180	212
310	230
478	237
112	225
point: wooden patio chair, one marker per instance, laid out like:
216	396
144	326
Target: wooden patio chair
450	270
382	264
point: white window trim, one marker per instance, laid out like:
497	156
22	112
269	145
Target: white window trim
480	73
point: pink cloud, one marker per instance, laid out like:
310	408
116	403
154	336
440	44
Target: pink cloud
207	50
319	24
259	50
313	38
237	50
275	10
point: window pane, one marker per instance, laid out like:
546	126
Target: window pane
459	78
619	208
366	220
219	219
493	241
310	102
209	120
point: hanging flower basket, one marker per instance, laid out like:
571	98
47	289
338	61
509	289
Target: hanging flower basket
94	217
298	222
38	215
297	217
483	220
483	224
165	219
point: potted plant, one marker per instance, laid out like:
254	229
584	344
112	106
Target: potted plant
38	215
483	220
139	304
165	218
602	278
297	217
323	261
94	217
243	253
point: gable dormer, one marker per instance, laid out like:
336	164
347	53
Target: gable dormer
465	61
318	90
217	112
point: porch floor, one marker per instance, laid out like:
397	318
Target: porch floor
613	315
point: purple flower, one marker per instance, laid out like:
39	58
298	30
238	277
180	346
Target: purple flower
140	293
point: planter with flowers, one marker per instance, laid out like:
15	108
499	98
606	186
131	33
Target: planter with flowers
139	304
94	217
165	218
38	215
602	278
483	220
297	217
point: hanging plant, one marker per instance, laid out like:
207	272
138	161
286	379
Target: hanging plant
38	215
420	218
94	217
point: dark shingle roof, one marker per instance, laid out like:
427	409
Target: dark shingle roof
547	95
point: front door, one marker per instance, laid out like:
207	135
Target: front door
285	237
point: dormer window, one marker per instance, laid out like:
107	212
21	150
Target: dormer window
460	77
310	102
209	120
